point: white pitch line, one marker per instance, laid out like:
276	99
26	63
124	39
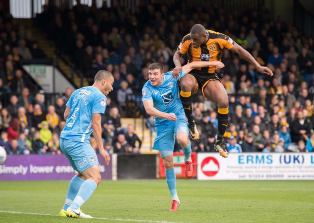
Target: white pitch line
104	219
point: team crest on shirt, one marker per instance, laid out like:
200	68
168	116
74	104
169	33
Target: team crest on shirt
167	97
212	48
170	85
103	102
92	159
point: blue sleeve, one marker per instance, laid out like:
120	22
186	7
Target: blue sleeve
99	104
147	94
182	74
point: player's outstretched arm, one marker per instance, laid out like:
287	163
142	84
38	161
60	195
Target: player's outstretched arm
149	107
199	64
96	123
249	58
176	60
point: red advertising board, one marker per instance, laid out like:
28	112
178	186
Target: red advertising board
179	165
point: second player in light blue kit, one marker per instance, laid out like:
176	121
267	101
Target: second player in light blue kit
161	99
83	115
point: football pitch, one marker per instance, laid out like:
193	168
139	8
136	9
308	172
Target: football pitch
149	201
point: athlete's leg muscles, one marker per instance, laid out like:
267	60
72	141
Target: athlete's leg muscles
170	175
74	186
92	179
183	140
188	84
216	92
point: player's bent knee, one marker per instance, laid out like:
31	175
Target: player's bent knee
168	164
183	140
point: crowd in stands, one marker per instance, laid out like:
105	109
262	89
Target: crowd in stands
267	114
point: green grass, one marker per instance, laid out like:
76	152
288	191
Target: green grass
149	200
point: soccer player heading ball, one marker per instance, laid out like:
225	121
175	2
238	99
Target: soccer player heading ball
161	100
206	45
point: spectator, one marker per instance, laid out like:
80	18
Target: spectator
13	129
207	127
121	146
300	128
257	138
22	144
26	100
301	146
248	146
115	118
37	144
274	124
13	106
45	133
123	92
303	97
109	132
231	131
23	118
4	140
37	116
233	146
228	84
238	118
305	62
60	108
285	135
52	118
248	119
36	52
39	98
67	94
280	146
275	58
6	118
213	119
24	51
54	145
132	138
309	143
14	148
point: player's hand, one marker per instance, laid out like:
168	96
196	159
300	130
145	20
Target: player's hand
106	156
264	70
171	117
219	64
176	71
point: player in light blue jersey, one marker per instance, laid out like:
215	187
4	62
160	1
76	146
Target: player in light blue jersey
161	99
83	115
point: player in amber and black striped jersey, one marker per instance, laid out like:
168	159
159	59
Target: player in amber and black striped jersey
206	45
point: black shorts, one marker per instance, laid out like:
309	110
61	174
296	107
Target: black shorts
203	79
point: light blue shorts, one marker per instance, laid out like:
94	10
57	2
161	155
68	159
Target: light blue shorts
166	134
80	154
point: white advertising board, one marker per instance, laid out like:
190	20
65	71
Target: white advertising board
256	166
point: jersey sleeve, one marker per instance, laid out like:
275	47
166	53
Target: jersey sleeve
226	42
99	105
146	94
184	45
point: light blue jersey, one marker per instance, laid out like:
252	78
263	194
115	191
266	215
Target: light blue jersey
84	102
166	97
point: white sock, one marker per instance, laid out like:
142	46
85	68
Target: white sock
175	198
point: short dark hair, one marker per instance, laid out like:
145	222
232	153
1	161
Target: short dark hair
102	74
154	66
198	29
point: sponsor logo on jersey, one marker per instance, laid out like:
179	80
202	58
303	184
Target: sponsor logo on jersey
170	85
144	93
205	57
167	97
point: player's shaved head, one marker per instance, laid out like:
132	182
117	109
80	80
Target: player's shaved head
102	74
154	66
198	29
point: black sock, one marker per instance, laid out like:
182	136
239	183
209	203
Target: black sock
187	105
222	122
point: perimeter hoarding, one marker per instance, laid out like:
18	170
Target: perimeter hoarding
43	167
256	166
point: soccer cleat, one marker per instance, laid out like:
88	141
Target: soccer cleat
193	131
174	206
62	213
76	214
220	146
188	169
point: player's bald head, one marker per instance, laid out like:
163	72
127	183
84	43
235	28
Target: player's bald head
102	74
198	29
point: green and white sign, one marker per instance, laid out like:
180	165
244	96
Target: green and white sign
43	75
